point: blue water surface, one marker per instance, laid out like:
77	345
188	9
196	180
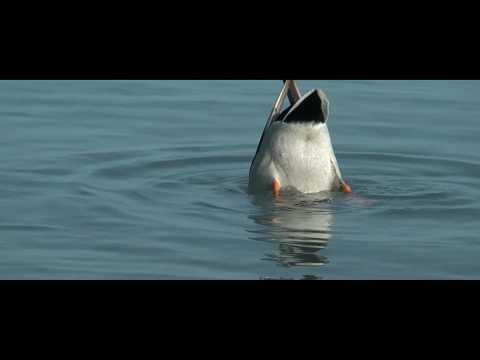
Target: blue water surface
148	180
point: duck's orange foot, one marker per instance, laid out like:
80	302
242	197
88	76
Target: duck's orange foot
275	187
345	188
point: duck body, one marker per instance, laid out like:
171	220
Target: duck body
295	151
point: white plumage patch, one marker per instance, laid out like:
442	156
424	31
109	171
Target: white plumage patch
299	156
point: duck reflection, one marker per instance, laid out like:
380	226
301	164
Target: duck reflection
300	224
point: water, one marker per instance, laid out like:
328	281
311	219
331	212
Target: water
148	179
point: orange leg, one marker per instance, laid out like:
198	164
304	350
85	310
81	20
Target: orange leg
345	188
275	187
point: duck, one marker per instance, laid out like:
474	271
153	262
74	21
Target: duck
295	151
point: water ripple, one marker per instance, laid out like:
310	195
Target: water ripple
149	179
143	168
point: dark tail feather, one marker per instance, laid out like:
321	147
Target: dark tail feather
309	110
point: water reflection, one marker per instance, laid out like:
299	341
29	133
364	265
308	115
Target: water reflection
299	224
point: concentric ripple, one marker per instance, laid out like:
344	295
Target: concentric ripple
148	179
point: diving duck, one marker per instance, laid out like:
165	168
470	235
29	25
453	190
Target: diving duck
295	150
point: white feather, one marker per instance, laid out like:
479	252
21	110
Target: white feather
299	156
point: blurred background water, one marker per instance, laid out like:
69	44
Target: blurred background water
148	180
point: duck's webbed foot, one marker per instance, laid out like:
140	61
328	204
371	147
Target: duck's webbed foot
276	187
345	188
